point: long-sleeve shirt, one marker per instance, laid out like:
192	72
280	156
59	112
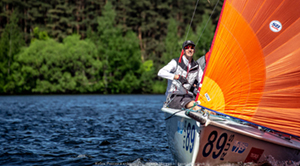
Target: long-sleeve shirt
168	71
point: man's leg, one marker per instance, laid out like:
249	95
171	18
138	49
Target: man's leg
191	104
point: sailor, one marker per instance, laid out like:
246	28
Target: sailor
181	73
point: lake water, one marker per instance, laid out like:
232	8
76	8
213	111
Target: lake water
82	130
86	130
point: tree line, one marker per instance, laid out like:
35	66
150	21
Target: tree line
96	46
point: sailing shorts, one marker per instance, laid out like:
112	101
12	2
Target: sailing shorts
180	101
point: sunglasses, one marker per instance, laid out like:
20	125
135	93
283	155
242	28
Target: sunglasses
187	47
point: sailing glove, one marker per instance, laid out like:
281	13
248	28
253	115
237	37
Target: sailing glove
183	80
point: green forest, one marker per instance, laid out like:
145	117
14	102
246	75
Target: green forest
97	46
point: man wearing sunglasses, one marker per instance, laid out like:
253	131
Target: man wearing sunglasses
181	73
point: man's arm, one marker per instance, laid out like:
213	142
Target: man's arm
168	71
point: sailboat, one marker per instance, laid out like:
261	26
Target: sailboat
252	83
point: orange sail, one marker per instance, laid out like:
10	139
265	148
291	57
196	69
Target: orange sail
253	71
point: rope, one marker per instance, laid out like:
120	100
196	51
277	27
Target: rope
207	22
191	20
191	109
173	114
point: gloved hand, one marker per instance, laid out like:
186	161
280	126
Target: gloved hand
183	80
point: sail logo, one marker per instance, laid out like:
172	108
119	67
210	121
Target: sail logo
239	147
207	97
254	155
275	26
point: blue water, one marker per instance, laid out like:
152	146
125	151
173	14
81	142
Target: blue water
82	130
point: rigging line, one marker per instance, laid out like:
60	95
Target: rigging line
207	22
191	20
173	114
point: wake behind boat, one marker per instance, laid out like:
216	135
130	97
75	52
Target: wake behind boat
252	78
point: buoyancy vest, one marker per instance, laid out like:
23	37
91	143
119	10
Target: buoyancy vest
190	74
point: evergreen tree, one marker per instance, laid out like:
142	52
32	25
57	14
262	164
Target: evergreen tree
8	6
3	17
148	19
145	34
119	55
91	11
61	19
10	44
35	15
172	45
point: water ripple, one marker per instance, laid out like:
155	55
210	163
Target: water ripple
82	129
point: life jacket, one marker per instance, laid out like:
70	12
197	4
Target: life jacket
190	74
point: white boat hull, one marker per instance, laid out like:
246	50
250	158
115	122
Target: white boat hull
223	141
